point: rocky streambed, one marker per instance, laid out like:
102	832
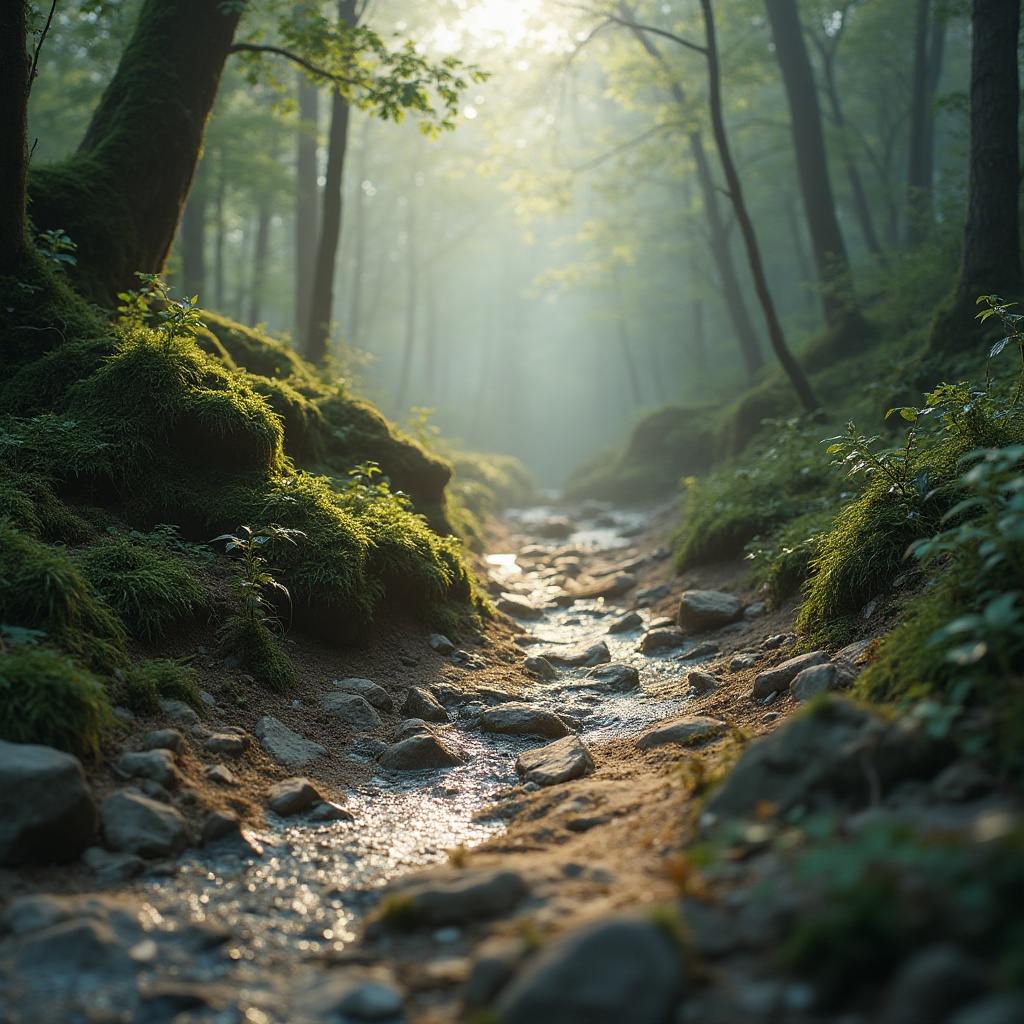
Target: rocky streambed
506	837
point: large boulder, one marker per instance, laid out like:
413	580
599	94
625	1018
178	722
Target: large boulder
133	823
47	811
704	610
610	972
561	761
515	719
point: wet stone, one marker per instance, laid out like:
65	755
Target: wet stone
420	752
133	823
704	610
518	607
705	649
627	623
112	867
222	833
660	639
27	914
370	691
579	657
613	586
540	667
164	739
420	703
614	677
352	710
351	994
410	727
440	643
561	761
327	811
684	729
516	719
292	796
777	679
455	896
700	684
284	745
157	764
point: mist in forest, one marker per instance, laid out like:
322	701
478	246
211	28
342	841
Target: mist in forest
536	279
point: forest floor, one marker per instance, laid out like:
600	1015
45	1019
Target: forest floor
293	924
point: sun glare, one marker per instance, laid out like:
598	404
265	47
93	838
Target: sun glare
498	24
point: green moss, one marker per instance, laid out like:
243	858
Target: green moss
304	425
42	384
260	651
150	590
255	352
46	698
28	501
42	588
142	686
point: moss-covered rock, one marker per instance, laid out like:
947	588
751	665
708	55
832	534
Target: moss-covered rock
142	686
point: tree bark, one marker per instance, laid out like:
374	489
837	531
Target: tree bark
830	258
322	298
14	86
306	203
775	334
120	197
929	36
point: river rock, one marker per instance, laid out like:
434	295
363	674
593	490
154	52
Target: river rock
353	711
579	657
284	745
327	811
220	774
610	972
65	952
230	740
685	729
133	823
164	739
351	994
554	528
223	833
777	679
700	684
157	764
518	607
420	752
814	680
817	760
703	610
420	703
110	867
410	727
292	796
178	712
660	639
440	643
370	691
561	761
455	895
614	677
540	667
522	720
611	586
627	623
47	811
34	912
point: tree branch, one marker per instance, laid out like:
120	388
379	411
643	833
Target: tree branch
654	30
39	45
278	51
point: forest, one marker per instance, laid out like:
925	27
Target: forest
511	512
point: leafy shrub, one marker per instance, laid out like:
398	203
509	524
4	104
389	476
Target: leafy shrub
150	589
46	698
259	650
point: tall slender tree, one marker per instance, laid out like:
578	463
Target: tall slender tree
15	69
307	204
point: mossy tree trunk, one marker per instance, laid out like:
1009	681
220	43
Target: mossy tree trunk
121	196
14	86
990	260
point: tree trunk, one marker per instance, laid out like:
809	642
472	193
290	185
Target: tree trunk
830	258
990	258
14	86
412	287
220	290
259	263
929	37
192	236
622	332
307	203
792	368
120	197
322	299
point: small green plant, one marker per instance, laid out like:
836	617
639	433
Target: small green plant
57	247
1011	323
152	305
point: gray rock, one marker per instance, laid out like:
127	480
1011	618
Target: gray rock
353	711
351	994
700	683
685	729
328	810
627	623
178	712
704	610
834	754
748	659
647	596
540	667
561	761
370	691
777	679
420	752
223	833
157	764
611	586
440	643
133	823
522	720
962	781
610	972
112	867
368	746
850	660
932	983
410	727
614	677
579	657
454	896
470	715
284	745
292	796
420	703
47	811
518	607
755	611
230	740
495	962
65	952
660	639
164	739
705	649
32	913
813	681
1002	1008
220	774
